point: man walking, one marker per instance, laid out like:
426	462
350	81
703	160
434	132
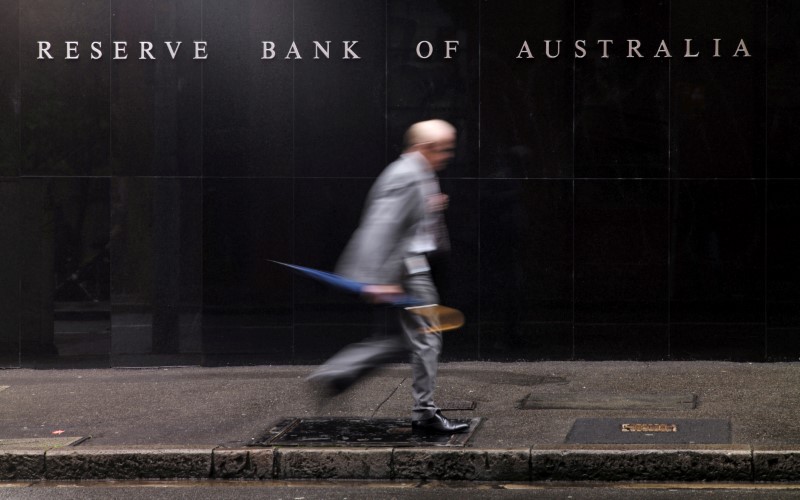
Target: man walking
402	223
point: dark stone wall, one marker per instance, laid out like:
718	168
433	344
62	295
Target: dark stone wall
618	207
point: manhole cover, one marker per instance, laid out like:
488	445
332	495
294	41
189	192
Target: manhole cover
649	431
608	402
358	432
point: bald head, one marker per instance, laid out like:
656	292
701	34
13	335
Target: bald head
428	131
434	139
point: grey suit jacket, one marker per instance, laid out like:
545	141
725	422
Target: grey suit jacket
394	210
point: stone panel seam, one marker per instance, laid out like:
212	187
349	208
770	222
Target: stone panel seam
392	473
530	464
277	455
212	473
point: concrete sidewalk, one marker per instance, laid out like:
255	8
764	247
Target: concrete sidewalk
191	422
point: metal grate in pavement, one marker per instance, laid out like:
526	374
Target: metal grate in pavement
357	432
649	431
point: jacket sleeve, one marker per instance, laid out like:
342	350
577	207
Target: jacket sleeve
376	251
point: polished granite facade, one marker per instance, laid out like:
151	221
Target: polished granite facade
600	207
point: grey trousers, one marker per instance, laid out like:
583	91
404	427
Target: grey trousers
357	359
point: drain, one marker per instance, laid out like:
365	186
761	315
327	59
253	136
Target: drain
357	432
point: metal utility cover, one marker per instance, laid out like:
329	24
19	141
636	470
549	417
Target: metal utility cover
582	401
649	431
357	432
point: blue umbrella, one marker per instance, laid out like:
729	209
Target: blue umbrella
342	283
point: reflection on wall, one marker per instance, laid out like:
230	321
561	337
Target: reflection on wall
65	266
600	208
156	250
9	274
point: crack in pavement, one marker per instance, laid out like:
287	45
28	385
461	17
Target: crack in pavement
377	409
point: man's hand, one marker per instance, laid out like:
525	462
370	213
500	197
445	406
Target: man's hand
382	294
438	202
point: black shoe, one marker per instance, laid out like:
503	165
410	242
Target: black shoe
330	388
438	424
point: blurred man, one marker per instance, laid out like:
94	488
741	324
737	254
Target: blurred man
402	223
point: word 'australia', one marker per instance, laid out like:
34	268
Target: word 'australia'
632	48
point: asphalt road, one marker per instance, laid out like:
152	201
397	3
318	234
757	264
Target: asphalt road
222	490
